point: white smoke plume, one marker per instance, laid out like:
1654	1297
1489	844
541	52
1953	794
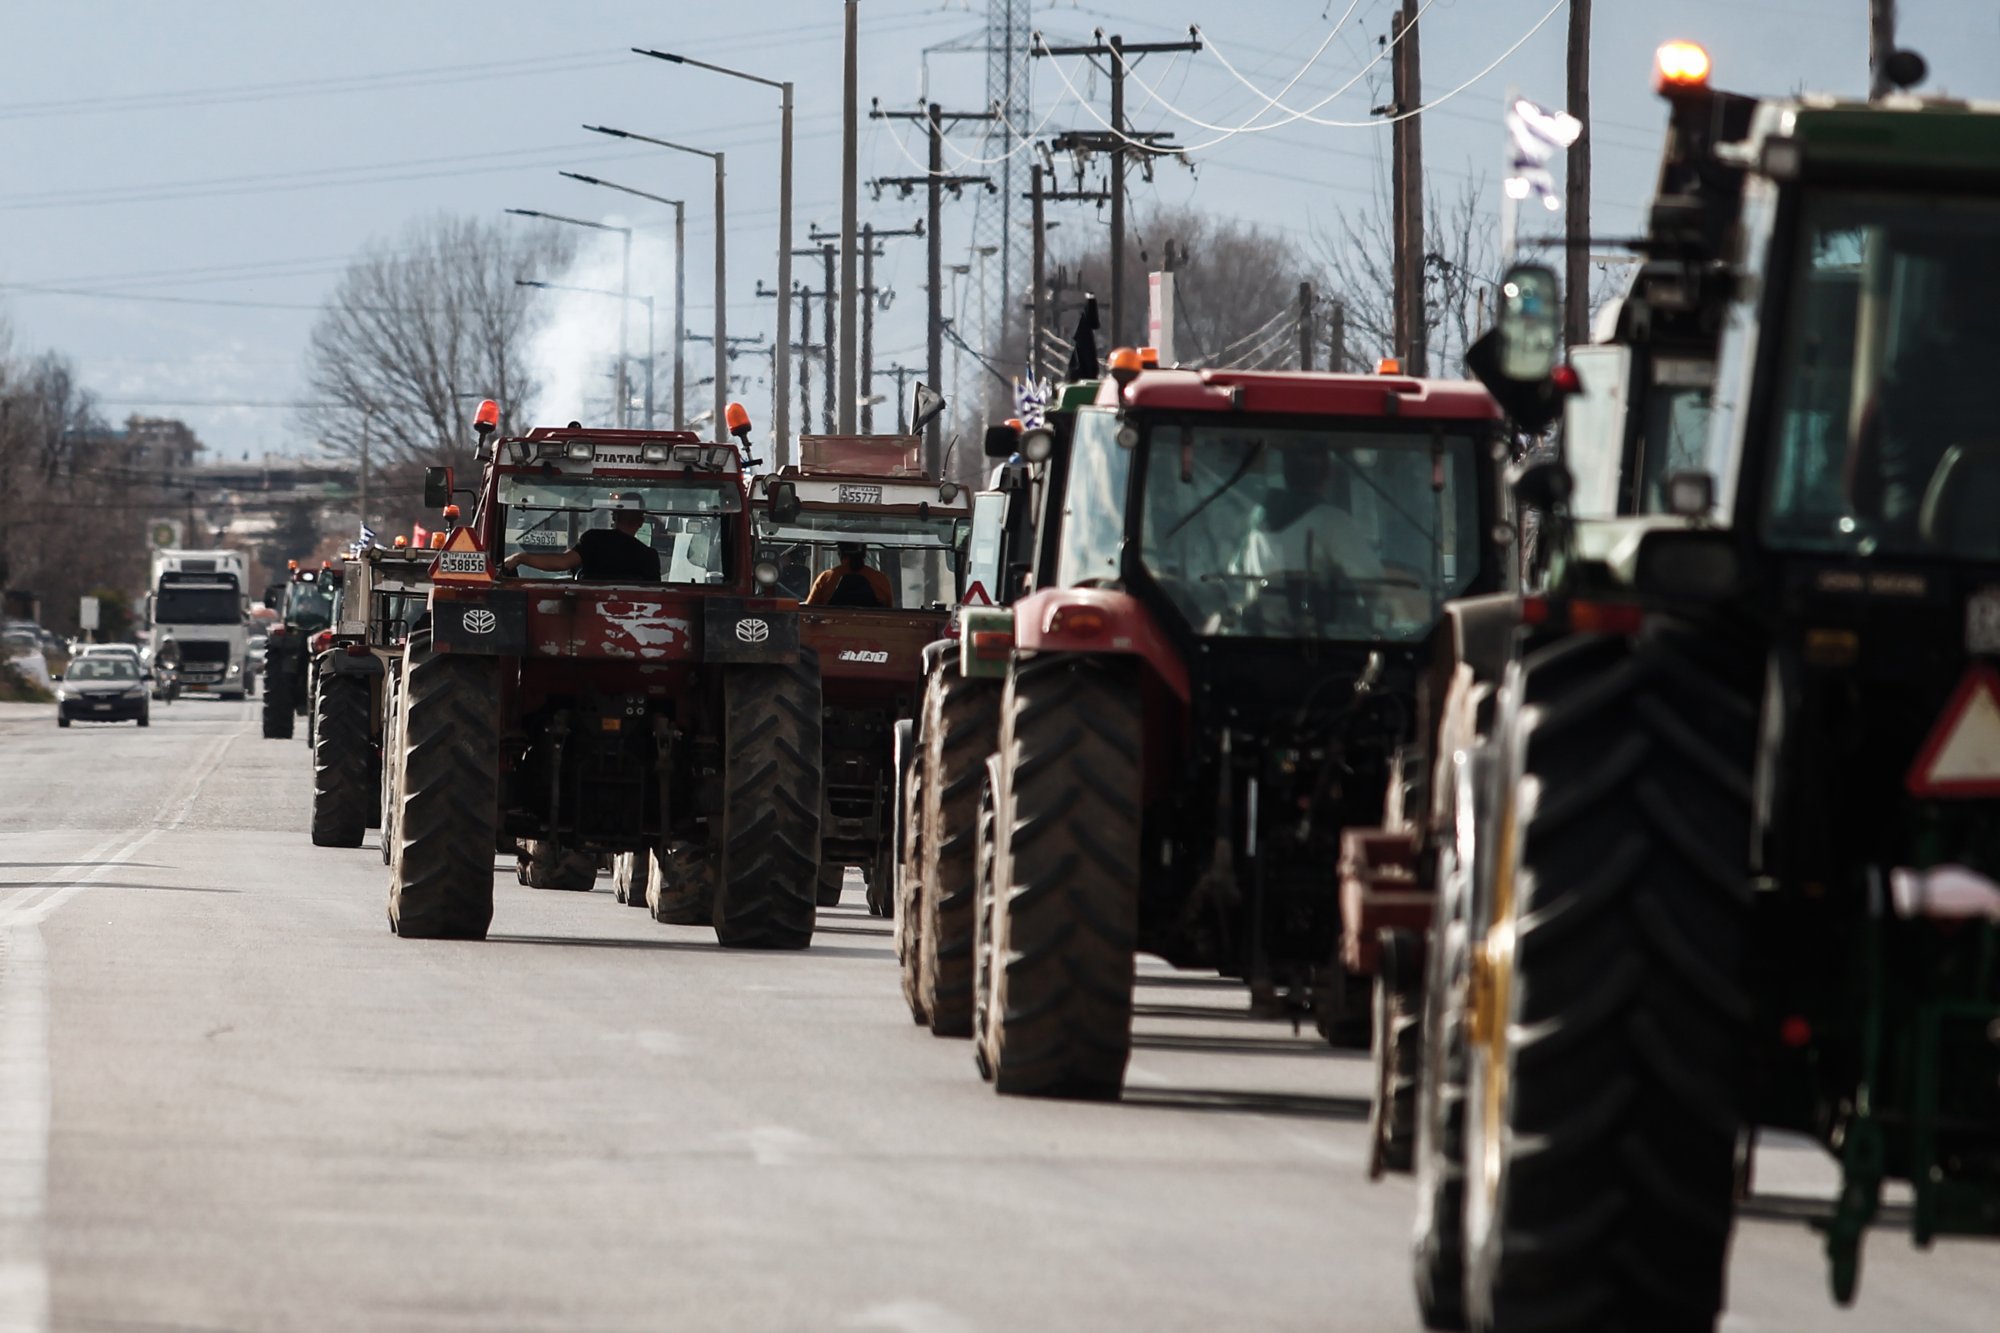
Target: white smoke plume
575	353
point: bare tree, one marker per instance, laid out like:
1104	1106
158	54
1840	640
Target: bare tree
1461	265
421	328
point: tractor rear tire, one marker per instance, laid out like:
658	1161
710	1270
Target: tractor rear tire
448	790
343	763
1609	1073
546	865
392	746
960	721
630	873
878	877
832	880
1396	1049
764	895
1066	873
681	891
278	715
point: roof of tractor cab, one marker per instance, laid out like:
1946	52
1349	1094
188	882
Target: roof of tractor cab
1903	133
1301	393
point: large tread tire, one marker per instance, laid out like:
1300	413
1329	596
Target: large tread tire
392	748
1066	872
830	884
764	896
681	891
1606	1111
343	763
441	863
278	714
1395	1049
545	865
909	886
879	880
630	874
1438	1252
962	731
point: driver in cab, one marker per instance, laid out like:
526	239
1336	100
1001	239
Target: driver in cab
1301	531
603	555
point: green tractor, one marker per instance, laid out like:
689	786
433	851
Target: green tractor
1715	841
307	614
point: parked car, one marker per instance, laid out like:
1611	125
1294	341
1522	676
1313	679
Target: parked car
103	687
21	649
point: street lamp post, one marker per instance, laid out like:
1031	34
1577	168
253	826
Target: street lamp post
680	284
782	353
651	354
624	343
721	269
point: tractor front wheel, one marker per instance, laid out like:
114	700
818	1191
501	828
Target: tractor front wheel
343	763
1065	867
447	786
960	720
1611	1007
765	894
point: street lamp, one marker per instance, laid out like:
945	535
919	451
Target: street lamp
680	287
651	355
782	354
721	267
624	344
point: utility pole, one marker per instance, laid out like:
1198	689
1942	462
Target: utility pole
935	183
902	374
1040	308
1336	338
1408	187
833	416
870	252
1881	43
1120	142
1305	326
1576	278
849	209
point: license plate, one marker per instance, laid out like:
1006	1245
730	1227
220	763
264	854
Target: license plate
102	708
1982	621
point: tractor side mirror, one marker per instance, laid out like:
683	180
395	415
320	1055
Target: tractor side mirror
437	487
784	501
1001	441
1530	322
1544	485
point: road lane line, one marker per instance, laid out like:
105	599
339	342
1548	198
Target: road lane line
26	1089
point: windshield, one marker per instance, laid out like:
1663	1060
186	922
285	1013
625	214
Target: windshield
311	605
684	523
918	556
104	666
197	606
1257	531
1885	438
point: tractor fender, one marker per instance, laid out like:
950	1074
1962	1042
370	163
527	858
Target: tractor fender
1099	622
934	653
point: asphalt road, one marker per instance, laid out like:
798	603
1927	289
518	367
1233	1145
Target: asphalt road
229	1099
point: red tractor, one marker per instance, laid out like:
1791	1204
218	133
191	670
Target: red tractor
871	546
568	698
1233	596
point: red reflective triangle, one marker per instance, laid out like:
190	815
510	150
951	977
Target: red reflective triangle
1961	757
461	540
976	595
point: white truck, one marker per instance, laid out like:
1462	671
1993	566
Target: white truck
199	603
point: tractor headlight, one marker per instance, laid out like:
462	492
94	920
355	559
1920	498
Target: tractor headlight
656	453
766	574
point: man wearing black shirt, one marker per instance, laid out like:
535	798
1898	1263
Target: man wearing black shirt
604	555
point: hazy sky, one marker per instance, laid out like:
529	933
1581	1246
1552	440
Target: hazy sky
204	169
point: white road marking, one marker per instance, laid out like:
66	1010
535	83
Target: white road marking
909	1315
25	1097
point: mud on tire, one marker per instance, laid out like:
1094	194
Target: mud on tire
1065	871
344	772
547	865
764	895
961	719
630	873
1617	1090
681	891
441	862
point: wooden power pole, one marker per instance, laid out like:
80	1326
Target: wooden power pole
1576	276
1411	327
1881	41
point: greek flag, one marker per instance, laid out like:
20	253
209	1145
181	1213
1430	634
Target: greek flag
1534	135
1031	400
367	537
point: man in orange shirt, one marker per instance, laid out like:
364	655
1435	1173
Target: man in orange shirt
852	582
